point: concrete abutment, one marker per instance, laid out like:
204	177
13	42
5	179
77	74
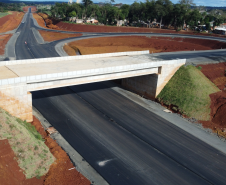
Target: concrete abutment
16	100
151	85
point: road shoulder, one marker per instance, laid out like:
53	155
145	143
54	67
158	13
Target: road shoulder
81	165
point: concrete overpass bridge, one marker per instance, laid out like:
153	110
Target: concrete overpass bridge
20	77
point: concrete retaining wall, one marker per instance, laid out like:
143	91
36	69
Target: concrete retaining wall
151	85
16	100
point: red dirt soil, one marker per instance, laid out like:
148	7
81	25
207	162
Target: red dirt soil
3	41
53	36
10	22
137	43
59	173
217	74
10	172
48	22
40	20
33	8
115	29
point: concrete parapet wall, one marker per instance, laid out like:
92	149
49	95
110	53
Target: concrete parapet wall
54	59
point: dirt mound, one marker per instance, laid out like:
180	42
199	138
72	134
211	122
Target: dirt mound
39	20
62	171
10	22
48	21
52	36
69	50
138	43
3	41
33	8
218	101
217	74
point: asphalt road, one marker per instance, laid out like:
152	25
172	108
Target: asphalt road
124	142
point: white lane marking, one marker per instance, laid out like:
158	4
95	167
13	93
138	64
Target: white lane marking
103	163
71	168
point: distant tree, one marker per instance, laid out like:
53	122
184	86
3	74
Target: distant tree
72	14
124	11
178	16
163	8
208	27
186	9
86	3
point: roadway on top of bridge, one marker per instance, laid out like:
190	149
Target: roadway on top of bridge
88	62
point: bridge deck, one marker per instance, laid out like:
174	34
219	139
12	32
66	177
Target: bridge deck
6	73
77	65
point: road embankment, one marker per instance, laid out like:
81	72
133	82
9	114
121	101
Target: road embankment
10	22
138	43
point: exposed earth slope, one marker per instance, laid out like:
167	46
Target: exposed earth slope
10	22
138	43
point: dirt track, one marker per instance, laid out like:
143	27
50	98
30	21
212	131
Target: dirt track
10	22
138	43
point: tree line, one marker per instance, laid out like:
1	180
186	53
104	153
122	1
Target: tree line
164	11
5	7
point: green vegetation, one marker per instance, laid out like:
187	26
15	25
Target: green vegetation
28	145
2	14
162	11
189	91
5	7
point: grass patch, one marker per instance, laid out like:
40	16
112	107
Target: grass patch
189	89
28	145
2	14
48	13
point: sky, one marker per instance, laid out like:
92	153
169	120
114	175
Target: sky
197	2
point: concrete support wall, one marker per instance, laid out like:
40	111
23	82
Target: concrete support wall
151	85
16	100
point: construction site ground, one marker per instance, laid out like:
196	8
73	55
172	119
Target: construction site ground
11	21
217	74
62	171
53	36
138	43
33	8
3	41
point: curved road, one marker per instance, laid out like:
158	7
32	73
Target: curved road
124	142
